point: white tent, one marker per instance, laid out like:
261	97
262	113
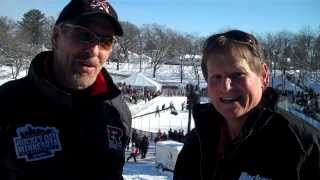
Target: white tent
140	80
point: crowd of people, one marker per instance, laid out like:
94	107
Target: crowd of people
133	94
140	142
183	91
176	135
308	101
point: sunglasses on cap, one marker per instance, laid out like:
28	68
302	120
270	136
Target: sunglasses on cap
236	36
82	35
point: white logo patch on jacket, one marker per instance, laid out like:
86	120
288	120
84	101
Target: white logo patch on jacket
114	137
36	143
246	176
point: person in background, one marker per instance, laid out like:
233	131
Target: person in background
235	137
183	104
163	107
157	112
66	119
144	146
135	151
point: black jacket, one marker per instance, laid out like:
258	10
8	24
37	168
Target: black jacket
269	147
47	133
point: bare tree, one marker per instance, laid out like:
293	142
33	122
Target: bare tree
128	42
140	49
47	31
17	49
194	51
6	35
302	47
316	50
158	44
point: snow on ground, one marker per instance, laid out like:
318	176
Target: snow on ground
145	169
166	73
297	111
5	74
171	73
166	120
277	83
314	85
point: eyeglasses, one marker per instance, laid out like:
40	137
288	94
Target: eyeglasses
82	35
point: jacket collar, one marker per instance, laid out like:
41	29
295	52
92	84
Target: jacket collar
208	120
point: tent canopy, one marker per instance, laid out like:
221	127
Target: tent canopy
140	80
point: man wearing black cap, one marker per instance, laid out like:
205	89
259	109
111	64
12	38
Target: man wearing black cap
66	119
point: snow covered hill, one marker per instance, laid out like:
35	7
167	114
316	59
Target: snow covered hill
166	120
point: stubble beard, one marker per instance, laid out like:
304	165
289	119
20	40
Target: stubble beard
81	81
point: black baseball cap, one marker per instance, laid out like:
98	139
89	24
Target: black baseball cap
78	9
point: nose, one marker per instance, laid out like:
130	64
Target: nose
226	84
93	49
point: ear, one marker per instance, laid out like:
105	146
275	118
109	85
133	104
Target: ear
265	78
55	36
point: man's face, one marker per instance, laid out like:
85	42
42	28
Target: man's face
233	87
78	56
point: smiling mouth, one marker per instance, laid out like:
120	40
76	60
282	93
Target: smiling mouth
86	64
229	99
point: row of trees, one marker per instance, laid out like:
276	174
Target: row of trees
21	40
294	51
162	44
